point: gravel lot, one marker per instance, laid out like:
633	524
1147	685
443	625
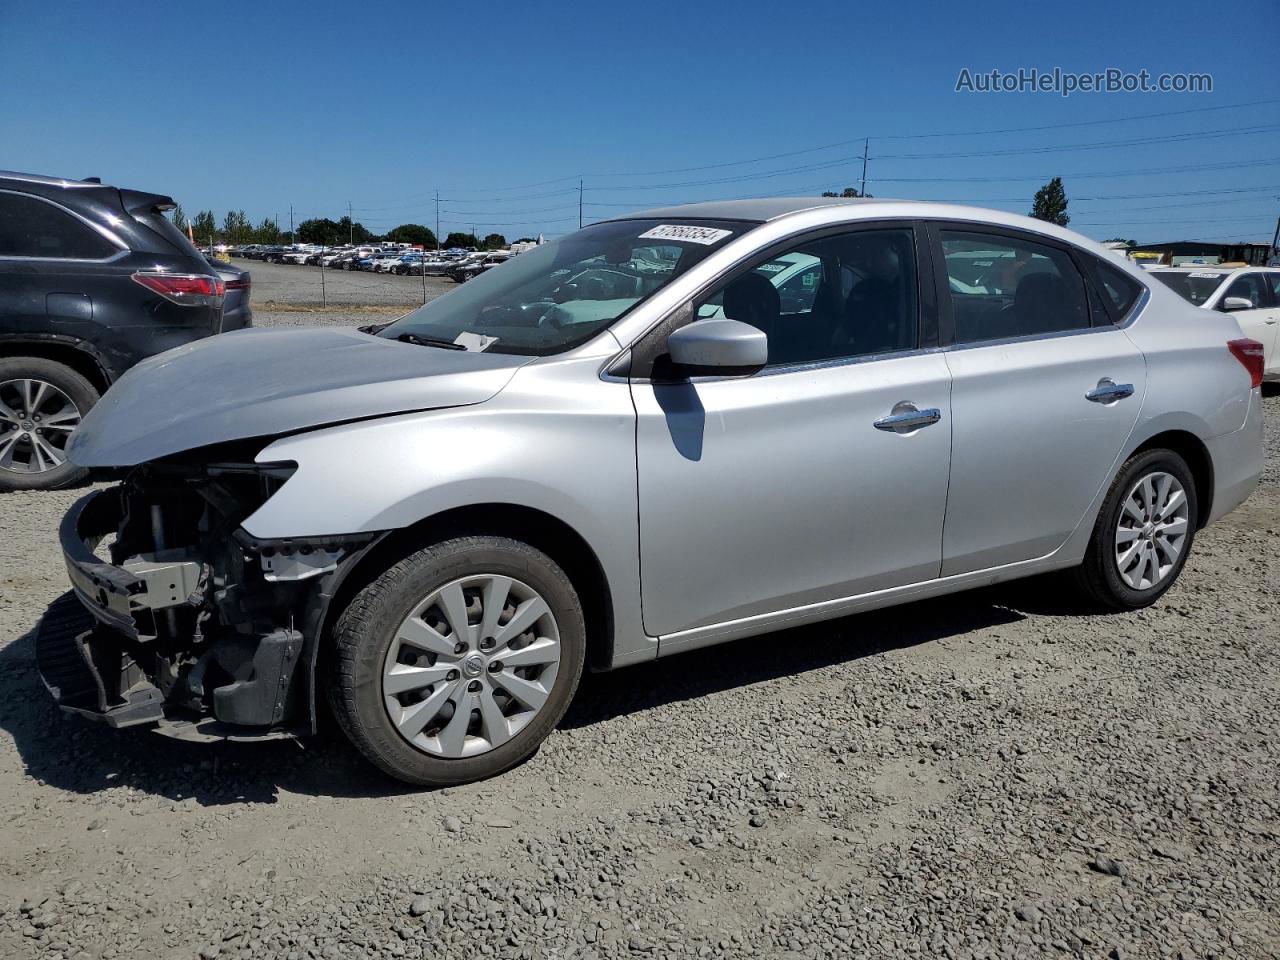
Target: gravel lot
991	775
291	294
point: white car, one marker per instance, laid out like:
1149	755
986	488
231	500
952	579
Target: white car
383	262
298	255
1250	294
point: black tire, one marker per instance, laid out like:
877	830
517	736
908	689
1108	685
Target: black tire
1098	579
80	392
366	628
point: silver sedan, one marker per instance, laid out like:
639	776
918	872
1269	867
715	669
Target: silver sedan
661	432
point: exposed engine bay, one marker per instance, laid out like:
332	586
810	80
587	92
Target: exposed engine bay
184	620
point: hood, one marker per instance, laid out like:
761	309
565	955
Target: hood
265	382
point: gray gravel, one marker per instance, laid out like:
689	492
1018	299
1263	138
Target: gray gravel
992	775
295	286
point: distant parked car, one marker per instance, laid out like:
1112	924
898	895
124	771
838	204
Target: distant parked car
1250	294
409	263
473	268
93	279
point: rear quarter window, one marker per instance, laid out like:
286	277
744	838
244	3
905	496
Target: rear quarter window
1120	291
157	222
34	228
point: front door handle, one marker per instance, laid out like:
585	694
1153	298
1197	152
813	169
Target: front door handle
906	417
1108	391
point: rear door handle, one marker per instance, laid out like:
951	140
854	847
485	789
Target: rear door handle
906	417
1108	391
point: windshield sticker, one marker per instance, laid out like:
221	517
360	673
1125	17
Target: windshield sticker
671	231
476	342
1206	276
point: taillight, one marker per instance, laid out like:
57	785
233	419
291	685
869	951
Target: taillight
241	284
184	289
1249	353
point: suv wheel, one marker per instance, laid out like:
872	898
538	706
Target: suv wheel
41	403
458	661
1143	533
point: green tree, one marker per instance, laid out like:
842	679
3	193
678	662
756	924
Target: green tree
236	227
321	230
495	241
266	232
1050	203
412	233
847	192
205	228
179	217
456	239
352	232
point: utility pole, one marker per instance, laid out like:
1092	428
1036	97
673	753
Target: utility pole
862	190
351	226
291	221
437	220
579	203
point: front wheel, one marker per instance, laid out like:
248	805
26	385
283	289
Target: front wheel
458	661
1143	533
41	403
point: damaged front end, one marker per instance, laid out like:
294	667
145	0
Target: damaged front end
181	619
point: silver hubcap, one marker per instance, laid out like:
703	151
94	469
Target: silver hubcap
36	420
1152	530
471	666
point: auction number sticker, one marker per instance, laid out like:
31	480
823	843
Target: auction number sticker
673	231
1205	276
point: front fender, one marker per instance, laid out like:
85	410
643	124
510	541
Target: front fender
573	460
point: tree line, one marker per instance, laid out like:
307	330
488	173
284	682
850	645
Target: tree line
237	229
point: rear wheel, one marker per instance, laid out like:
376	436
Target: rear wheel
1143	533
457	662
41	403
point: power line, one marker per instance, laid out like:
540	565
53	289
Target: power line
922	136
1098	145
1152	171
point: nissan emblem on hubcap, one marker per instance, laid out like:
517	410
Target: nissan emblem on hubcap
473	666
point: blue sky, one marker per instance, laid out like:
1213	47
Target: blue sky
502	106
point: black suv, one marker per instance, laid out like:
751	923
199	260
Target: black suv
92	280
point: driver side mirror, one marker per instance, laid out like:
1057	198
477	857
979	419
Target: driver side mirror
1236	303
718	346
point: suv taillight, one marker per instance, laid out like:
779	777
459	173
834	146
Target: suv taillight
1249	353
184	289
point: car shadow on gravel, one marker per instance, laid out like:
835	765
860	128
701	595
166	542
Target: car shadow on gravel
800	650
74	754
77	755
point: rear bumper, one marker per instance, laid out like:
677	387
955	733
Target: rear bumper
1238	461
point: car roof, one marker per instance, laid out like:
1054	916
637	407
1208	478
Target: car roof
1210	268
835	210
759	210
49	181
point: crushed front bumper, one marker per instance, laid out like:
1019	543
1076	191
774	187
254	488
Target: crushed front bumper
150	640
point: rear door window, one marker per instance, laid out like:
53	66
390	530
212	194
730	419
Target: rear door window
1003	287
33	228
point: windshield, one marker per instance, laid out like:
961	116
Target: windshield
1196	287
561	294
